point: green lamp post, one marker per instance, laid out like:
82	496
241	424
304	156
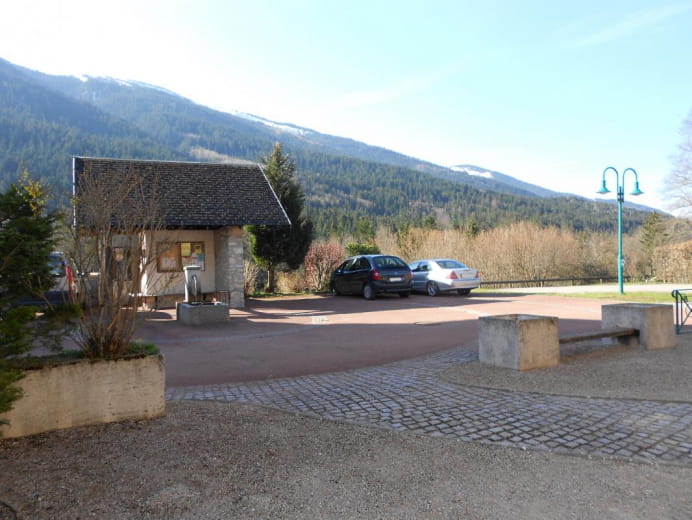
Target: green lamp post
620	182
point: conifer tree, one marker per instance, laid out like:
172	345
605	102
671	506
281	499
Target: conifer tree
652	236
26	241
272	246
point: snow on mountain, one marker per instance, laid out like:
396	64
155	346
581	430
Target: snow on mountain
282	127
473	170
507	180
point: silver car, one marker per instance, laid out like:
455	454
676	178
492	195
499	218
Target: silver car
434	276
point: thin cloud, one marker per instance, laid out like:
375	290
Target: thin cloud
633	24
377	96
402	88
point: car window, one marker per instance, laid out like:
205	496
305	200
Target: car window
362	263
389	262
347	265
450	264
414	266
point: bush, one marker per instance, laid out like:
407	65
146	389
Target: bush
356	248
322	258
290	281
251	277
673	263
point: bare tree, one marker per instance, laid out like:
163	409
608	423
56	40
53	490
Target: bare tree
678	186
112	219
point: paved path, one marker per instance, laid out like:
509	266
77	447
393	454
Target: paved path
600	288
296	336
410	396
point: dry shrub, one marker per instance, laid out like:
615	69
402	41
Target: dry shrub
322	258
251	276
673	263
114	216
598	254
291	281
415	243
526	251
520	251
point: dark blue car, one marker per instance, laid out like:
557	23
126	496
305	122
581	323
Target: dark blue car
370	275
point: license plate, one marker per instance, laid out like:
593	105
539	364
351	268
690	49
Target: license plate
395	278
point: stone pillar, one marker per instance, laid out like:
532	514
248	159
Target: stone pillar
229	264
518	341
655	322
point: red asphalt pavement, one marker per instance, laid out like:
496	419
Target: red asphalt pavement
300	335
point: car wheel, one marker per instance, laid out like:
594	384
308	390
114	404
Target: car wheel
334	290
368	292
464	292
432	289
405	294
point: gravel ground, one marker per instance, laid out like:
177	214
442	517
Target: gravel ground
228	460
222	460
613	372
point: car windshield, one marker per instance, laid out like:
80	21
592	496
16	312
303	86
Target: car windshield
389	262
57	266
450	264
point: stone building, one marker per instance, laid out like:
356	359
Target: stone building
184	213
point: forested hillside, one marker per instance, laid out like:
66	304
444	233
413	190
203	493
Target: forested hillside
45	120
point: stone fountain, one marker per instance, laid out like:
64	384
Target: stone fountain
194	310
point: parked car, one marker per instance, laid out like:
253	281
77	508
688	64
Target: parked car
370	275
63	286
434	276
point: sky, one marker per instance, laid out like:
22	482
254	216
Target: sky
550	92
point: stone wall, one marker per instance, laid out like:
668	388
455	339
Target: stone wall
229	264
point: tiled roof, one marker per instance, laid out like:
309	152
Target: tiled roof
192	195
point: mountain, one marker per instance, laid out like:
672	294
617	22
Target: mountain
137	101
525	187
45	120
41	130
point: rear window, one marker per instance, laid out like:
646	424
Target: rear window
384	262
451	264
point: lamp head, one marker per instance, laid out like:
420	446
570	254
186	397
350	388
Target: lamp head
603	189
636	190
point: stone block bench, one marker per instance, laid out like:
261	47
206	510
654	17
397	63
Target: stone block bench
615	332
526	342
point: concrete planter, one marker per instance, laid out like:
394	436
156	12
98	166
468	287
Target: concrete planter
87	392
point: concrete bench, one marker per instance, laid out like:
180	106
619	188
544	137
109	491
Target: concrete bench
526	342
655	322
518	341
616	332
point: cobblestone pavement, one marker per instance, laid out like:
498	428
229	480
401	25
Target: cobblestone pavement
410	396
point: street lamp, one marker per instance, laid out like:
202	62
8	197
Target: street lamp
620	182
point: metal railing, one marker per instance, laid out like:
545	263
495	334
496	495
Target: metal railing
547	282
683	310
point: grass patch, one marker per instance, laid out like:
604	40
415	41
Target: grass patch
261	294
71	356
143	349
636	297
